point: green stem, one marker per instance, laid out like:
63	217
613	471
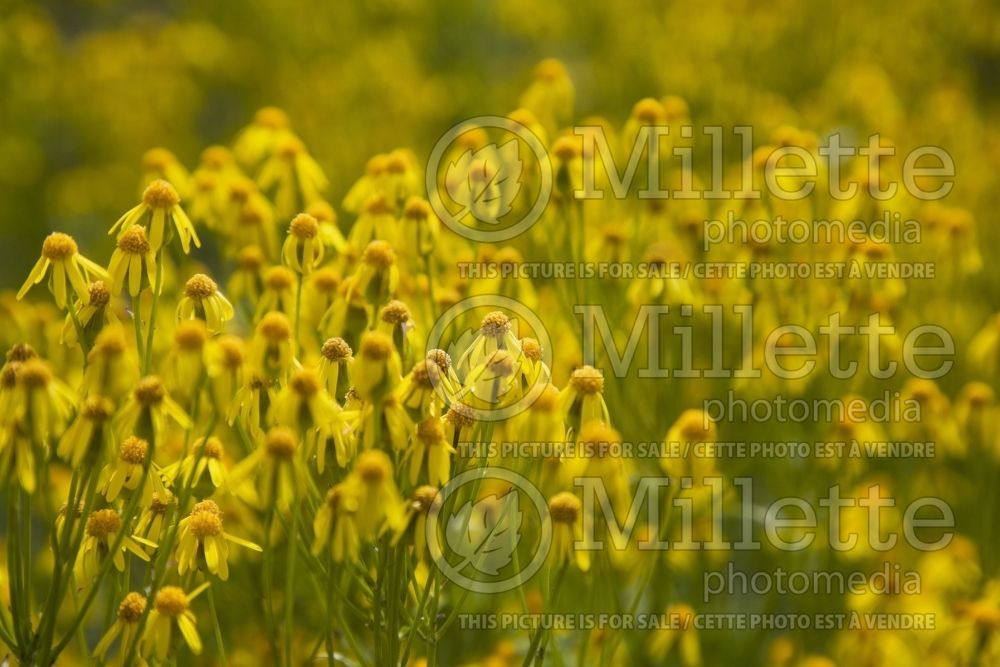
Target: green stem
148	356
290	581
215	625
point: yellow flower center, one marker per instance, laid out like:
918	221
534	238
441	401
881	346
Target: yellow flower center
250	258
460	415
305	382
421	374
280	443
587	380
648	111
430	431
209	506
424	497
216	157
598	433
103	523
171	601
199	286
378	205
159	505
379	254
304	226
440	358
190	335
336	348
231	351
160	194
278	278
566	149
374	467
158	159
8	377
395	312
501	364
131	608
205	524
275	327
289	148
416	209
547	400
58	247
376	346
97	408
133	241
35	374
133	450
150	391
495	324
100	295
564	507
213	448
240	191
326	280
271	117
21	352
110	343
322	211
550	69
531	348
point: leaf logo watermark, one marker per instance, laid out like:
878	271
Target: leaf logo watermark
479	192
482	535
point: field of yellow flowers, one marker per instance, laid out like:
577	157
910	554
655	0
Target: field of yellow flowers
500	333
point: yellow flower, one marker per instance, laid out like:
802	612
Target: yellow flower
329	233
87	434
377	369
259	139
279	293
566	512
377	277
335	431
150	523
414	523
249	218
459	423
395	320
170	606
43	401
257	390
419	227
201	534
112	367
247	279
132	254
280	474
303	403
377	222
202	300
303	249
430	450
93	316
494	334
424	389
151	407
680	638
17	455
336	525
395	423
185	363
336	358
292	175
162	204
60	253
126	624
101	532
225	369
582	400
378	498
125	472
160	163
271	349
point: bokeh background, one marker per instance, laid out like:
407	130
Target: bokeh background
87	87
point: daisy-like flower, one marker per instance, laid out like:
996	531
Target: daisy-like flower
336	525
171	606
335	362
377	222
377	369
319	293
42	400
336	433
378	499
294	177
93	316
414	523
396	427
583	398
249	218
101	532
159	208
259	139
271	348
459	423
431	452
377	276
257	391
224	363
417	391
303	403
133	256
160	163
329	233
303	249
186	360
247	279
200	536
202	300
494	334
17	455
126	624
112	367
87	434
125	472
151	519
61	255
150	405
395	320
419	227
279	292
566	512
279	474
